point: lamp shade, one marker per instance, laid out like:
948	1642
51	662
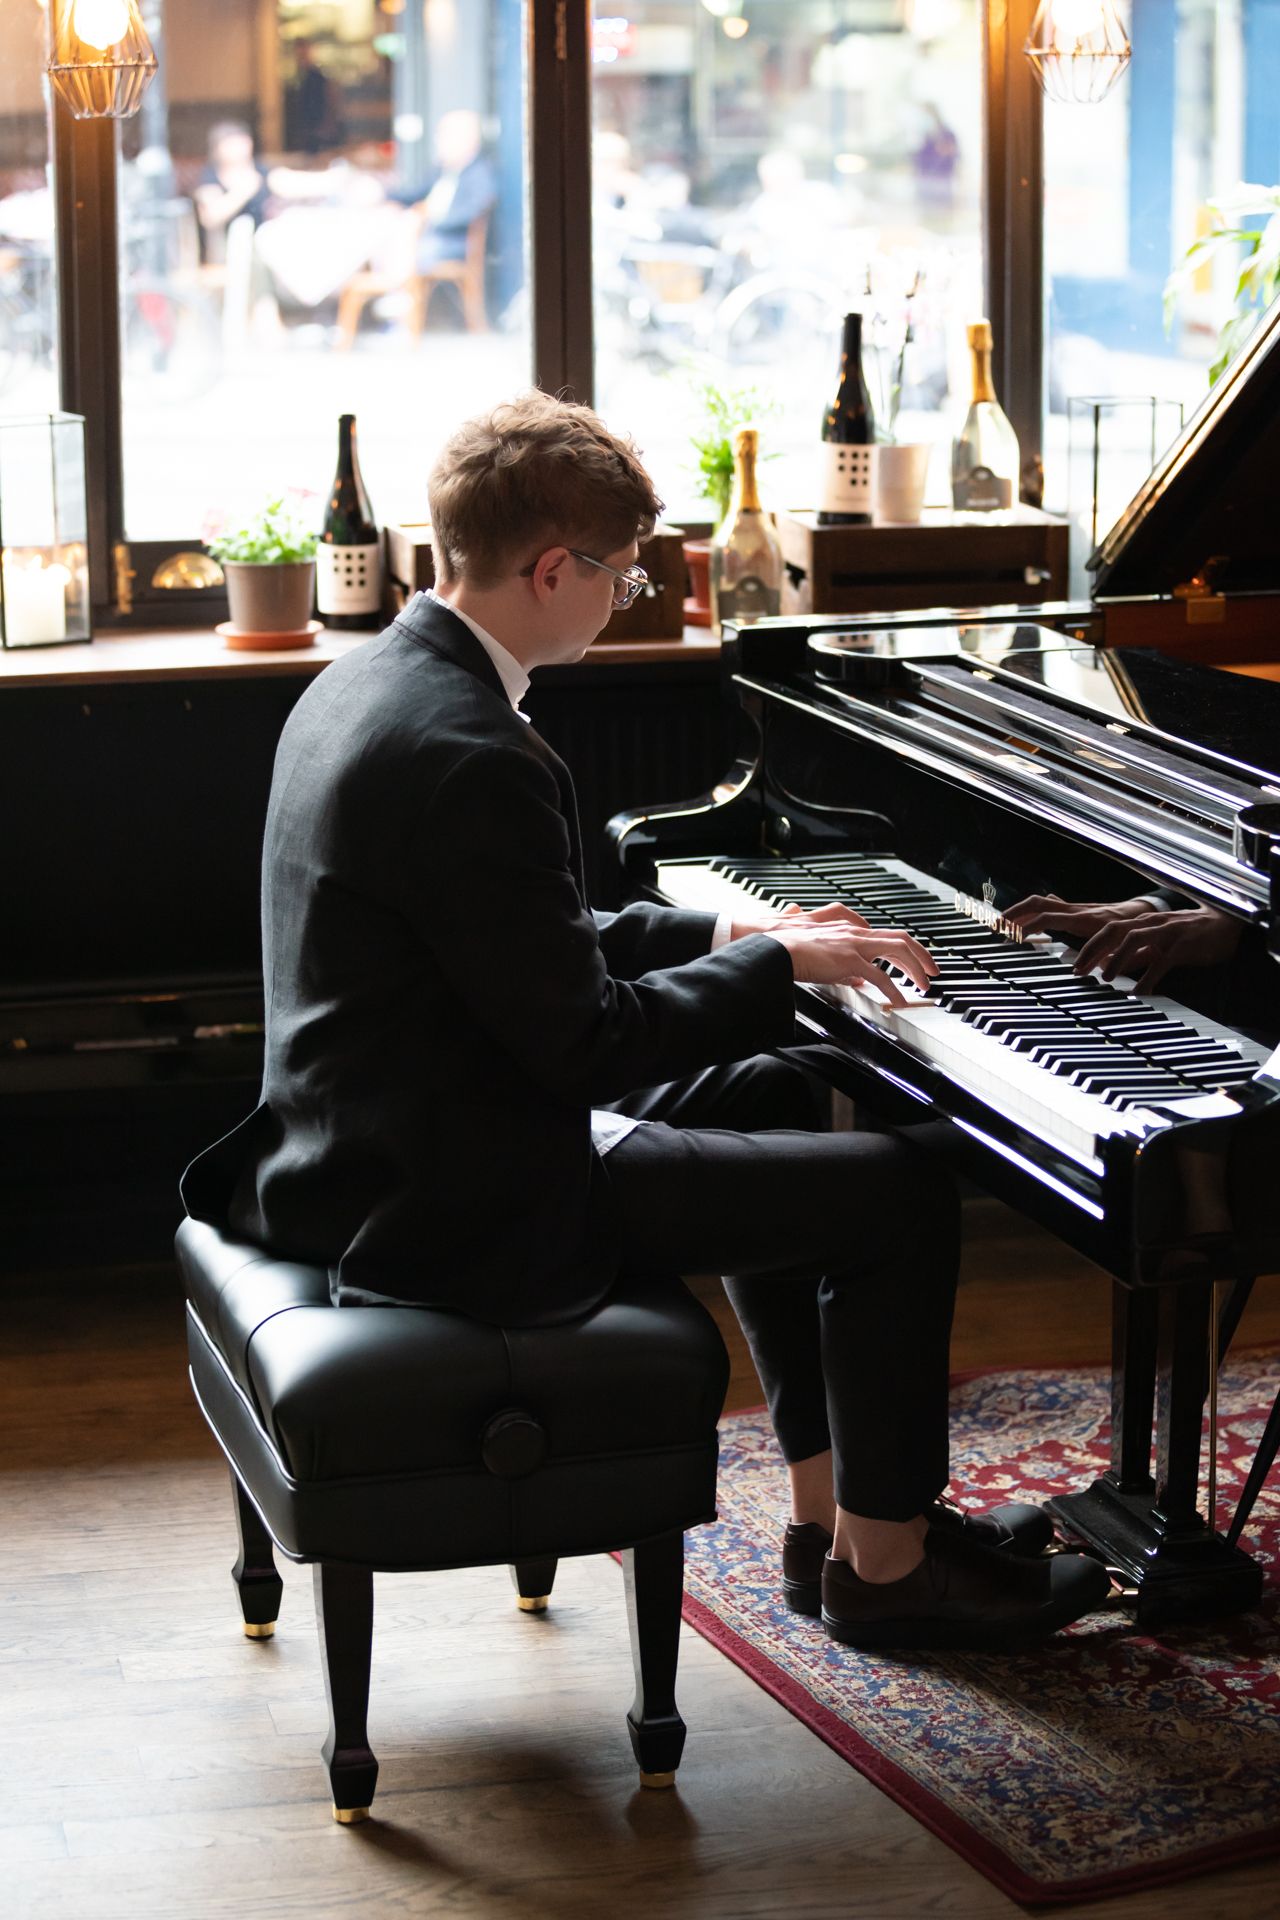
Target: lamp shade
100	59
1079	48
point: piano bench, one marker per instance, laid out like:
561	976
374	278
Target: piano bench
402	1439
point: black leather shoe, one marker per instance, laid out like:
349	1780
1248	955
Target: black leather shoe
961	1595
1018	1529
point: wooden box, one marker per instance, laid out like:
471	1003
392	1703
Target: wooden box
946	560
407	565
658	613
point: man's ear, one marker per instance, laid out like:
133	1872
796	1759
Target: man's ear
549	571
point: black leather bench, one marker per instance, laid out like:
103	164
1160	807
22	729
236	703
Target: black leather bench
395	1439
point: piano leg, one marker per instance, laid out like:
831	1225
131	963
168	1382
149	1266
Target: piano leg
1152	1534
1133	1389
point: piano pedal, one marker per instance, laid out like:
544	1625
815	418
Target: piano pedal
1124	1592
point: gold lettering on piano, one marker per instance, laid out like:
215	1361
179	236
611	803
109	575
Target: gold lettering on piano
986	912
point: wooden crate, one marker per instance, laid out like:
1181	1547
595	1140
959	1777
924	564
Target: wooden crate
946	560
407	567
656	615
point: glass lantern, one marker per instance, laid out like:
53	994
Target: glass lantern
1113	442
44	531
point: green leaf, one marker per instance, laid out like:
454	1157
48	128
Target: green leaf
272	536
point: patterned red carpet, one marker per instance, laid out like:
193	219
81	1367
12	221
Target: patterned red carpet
1105	1759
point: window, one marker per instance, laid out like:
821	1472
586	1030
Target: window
756	169
28	315
1191	119
319	212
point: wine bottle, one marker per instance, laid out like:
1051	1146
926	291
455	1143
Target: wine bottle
746	559
846	485
984	456
348	559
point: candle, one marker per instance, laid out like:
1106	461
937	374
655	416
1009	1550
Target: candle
35	600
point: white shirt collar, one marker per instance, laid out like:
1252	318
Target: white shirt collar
515	681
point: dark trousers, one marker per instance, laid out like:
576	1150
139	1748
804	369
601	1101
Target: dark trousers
839	1252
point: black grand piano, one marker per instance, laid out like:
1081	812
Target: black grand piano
931	771
931	779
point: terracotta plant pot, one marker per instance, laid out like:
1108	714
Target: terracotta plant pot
270	597
697	606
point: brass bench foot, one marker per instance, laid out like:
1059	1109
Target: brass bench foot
658	1779
259	1629
350	1816
530	1604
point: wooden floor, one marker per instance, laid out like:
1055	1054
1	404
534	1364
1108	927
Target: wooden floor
157	1763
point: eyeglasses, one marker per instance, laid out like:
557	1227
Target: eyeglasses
625	585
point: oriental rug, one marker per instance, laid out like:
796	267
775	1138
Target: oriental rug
1101	1760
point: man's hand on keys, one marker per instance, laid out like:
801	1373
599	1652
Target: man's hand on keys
833	946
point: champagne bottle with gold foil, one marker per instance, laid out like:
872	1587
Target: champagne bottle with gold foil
984	456
746	559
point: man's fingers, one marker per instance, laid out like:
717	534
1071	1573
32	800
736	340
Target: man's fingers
1097	950
1156	969
836	910
901	951
1034	904
883	985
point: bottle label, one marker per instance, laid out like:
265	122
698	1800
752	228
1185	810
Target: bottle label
348	579
846	479
747	599
981	491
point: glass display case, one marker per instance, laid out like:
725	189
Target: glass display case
44	538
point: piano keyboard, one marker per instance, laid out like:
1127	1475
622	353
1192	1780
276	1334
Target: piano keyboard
1074	1060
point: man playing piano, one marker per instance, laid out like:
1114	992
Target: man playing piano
480	1095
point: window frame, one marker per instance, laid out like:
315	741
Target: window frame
558	139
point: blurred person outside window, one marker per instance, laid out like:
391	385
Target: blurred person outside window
792	215
313	119
461	188
232	184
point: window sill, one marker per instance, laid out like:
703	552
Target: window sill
190	653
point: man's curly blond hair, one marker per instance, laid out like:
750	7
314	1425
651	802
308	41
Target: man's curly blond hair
535	473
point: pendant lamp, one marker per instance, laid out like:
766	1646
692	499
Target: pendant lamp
1079	49
100	59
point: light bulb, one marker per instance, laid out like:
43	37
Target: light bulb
100	23
1076	20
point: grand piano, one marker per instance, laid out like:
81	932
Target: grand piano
933	770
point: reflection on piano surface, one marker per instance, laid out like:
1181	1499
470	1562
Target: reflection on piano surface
911	772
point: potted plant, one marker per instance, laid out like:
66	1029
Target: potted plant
723	410
269	561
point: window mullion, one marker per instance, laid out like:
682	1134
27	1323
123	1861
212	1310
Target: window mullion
89	325
1014	221
560	195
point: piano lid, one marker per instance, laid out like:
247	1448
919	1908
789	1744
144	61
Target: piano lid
1209	506
1202	708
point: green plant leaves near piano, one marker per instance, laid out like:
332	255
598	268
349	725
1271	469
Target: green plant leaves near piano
1258	280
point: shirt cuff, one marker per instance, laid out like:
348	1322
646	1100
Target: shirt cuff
722	932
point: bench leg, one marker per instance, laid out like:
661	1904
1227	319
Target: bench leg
257	1582
532	1580
344	1617
654	1579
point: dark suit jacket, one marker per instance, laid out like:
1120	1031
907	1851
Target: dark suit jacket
443	1010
